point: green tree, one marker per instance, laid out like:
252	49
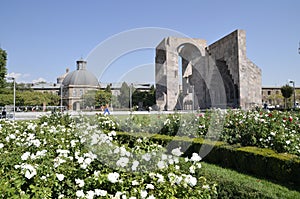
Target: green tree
103	97
3	70
286	92
124	96
51	99
88	99
30	98
147	98
108	88
23	87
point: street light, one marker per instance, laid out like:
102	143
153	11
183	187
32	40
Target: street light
292	81
14	80
61	98
130	93
193	95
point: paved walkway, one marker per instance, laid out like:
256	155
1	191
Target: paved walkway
35	115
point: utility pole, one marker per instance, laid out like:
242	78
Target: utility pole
14	80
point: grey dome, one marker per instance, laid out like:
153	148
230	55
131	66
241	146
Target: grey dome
81	76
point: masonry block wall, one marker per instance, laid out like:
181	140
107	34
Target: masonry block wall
218	75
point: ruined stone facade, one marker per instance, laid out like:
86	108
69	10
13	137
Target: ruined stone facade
192	75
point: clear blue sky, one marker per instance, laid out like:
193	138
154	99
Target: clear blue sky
43	38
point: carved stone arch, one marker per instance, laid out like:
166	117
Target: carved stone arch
220	74
168	93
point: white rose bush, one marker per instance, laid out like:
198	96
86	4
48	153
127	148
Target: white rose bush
60	157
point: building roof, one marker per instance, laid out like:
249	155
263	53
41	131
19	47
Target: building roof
81	76
45	86
61	78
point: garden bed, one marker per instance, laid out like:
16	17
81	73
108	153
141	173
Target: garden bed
58	156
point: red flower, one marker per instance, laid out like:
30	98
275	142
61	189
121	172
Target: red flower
290	119
200	115
270	115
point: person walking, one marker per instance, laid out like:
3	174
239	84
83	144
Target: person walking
106	110
3	114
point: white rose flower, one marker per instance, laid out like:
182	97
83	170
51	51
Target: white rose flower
113	177
205	186
135	183
60	177
88	161
198	164
149	186
112	133
146	157
100	192
79	182
190	180
144	193
122	162
151	197
195	157
160	178
135	164
96	173
161	164
117	150
80	194
25	156
164	157
192	169
73	143
177	152
90	194
80	160
30	171
36	142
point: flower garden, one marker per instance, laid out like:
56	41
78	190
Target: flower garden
60	156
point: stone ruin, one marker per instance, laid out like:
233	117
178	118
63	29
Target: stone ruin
190	75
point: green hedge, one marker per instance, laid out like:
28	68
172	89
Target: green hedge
232	184
264	163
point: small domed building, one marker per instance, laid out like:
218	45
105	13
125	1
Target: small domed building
75	84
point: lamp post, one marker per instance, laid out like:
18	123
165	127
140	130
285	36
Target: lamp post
292	81
130	96
61	98
193	95
14	80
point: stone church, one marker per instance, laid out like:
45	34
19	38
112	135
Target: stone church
191	75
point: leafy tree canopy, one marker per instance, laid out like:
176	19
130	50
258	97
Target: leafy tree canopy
103	97
3	70
287	91
124	96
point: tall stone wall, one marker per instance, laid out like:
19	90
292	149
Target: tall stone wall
218	75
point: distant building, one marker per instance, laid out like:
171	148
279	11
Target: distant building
46	87
272	96
115	87
61	78
75	84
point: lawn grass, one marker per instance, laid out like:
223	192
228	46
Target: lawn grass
232	184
